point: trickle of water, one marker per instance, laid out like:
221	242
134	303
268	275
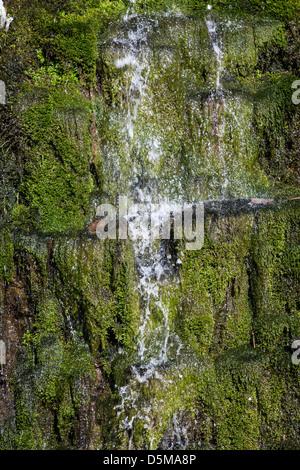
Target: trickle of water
152	270
4	21
153	342
217	47
156	343
180	439
218	97
134	46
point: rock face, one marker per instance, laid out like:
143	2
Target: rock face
133	342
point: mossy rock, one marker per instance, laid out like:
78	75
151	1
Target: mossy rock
58	154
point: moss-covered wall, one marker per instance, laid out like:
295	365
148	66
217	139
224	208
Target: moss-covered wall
231	144
236	312
70	308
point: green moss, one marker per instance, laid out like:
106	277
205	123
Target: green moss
277	9
6	254
58	183
51	381
273	118
57	381
67	33
215	311
275	280
235	402
21	217
54	48
249	400
96	280
235	307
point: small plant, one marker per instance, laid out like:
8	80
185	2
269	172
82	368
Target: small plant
52	73
27	338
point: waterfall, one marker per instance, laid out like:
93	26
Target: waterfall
217	99
4	20
139	164
134	58
153	342
129	318
215	40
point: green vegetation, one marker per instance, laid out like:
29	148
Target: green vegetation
277	9
58	181
70	306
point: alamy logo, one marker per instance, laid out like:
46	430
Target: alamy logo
2	353
296	94
2	92
152	222
296	351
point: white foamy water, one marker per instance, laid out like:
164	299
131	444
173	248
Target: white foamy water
218	98
156	344
134	55
153	340
217	47
4	20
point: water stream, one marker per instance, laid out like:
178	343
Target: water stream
156	343
4	20
142	342
217	99
153	343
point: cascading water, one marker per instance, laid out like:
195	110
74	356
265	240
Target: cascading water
156	151
137	342
4	20
134	42
217	99
212	30
153	345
